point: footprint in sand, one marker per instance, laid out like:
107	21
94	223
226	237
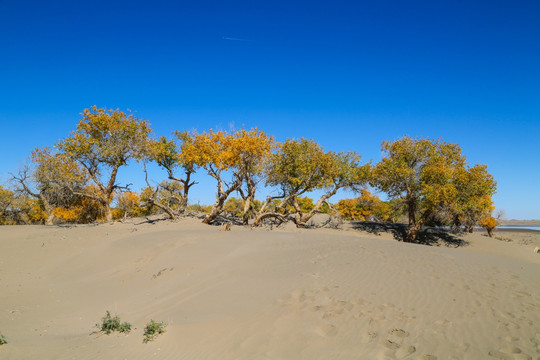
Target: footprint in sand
396	349
405	351
391	344
399	333
509	353
368	337
326	330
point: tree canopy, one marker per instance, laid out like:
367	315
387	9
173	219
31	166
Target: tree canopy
301	166
428	176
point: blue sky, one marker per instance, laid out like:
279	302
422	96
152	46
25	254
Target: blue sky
348	74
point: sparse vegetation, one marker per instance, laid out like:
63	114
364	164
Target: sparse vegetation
110	324
153	329
3	340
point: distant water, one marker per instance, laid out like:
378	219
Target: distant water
519	227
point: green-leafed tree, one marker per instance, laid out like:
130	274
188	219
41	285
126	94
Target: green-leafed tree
301	166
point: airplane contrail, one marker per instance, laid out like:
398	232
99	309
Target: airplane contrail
236	39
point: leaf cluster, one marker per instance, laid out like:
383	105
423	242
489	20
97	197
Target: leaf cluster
220	151
108	137
368	206
302	165
419	169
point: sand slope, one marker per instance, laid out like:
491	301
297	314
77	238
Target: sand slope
256	294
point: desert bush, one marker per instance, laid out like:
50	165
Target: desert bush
153	329
110	324
489	223
3	340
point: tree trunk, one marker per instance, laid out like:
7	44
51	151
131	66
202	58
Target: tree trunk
214	213
261	215
306	217
416	225
247	209
413	229
221	197
48	210
412	232
187	184
248	200
108	212
167	209
490	232
50	219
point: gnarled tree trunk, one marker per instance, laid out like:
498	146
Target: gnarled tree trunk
261	215
221	196
304	218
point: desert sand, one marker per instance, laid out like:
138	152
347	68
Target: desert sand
258	294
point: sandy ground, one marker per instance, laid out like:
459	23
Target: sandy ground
258	294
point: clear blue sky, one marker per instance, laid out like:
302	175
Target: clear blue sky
348	74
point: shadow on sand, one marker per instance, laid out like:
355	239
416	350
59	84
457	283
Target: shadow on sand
428	236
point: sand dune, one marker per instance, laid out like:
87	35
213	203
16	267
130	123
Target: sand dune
257	294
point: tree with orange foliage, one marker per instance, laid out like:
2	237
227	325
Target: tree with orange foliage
362	208
127	205
254	148
104	141
81	209
239	155
489	223
368	206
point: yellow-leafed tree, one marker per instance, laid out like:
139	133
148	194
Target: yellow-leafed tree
104	141
239	155
426	176
168	155
473	203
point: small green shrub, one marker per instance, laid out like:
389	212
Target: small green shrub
110	324
2	339
153	329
